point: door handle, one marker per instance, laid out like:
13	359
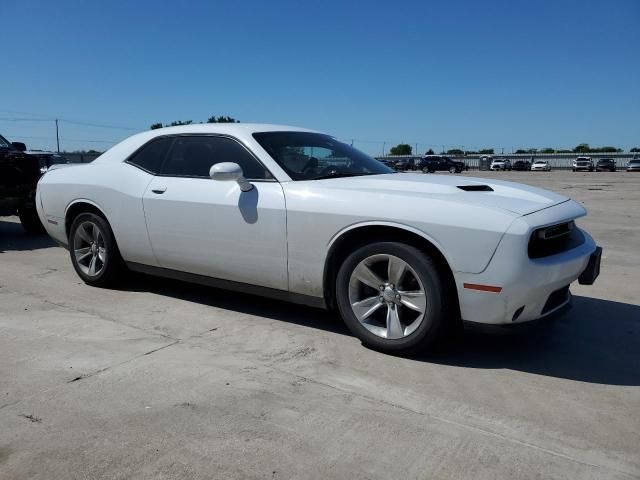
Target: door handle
159	190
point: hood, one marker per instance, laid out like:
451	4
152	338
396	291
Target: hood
507	196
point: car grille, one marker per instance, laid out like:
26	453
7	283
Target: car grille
554	239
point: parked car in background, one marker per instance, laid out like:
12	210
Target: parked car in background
47	159
522	165
584	164
19	174
440	163
388	162
541	166
402	164
633	165
302	217
606	165
500	164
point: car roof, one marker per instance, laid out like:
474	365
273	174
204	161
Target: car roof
239	130
229	128
41	152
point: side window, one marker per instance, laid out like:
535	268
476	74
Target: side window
194	156
150	156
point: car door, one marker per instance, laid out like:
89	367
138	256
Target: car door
212	228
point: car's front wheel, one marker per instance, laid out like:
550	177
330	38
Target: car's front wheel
94	253
391	296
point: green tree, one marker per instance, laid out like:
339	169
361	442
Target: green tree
177	123
582	148
520	150
635	149
430	152
155	126
455	151
547	150
486	151
609	149
401	149
222	119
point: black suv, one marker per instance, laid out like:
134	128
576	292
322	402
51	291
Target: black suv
439	163
606	164
19	174
522	165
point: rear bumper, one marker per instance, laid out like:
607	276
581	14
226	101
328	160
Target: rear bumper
525	288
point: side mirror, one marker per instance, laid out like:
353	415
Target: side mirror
19	146
229	171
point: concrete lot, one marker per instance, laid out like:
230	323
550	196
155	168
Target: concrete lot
161	379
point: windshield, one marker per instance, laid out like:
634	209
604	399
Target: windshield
4	142
314	156
539	163
635	162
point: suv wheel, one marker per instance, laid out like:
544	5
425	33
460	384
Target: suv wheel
391	297
30	220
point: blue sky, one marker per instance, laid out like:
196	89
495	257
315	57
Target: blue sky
503	74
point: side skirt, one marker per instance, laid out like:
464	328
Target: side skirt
316	302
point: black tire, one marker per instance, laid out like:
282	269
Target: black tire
30	220
432	326
112	265
452	170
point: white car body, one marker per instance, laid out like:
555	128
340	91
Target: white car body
540	166
279	236
500	164
582	163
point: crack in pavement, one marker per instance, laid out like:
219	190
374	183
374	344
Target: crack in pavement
442	419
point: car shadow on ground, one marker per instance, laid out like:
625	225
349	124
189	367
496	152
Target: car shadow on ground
14	238
237	302
597	341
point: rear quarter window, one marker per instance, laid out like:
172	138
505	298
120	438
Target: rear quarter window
150	157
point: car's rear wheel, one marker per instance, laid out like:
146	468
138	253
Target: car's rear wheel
391	297
94	253
452	170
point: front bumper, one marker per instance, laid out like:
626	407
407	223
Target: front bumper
529	288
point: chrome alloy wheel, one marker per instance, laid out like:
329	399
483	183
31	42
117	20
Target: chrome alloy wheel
387	296
89	248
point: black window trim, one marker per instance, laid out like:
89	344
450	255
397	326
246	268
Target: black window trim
176	135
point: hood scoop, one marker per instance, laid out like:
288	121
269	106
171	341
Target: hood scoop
475	188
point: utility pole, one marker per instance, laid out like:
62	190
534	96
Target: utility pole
383	145
416	152
57	136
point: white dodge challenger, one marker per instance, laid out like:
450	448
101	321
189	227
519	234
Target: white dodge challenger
297	215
